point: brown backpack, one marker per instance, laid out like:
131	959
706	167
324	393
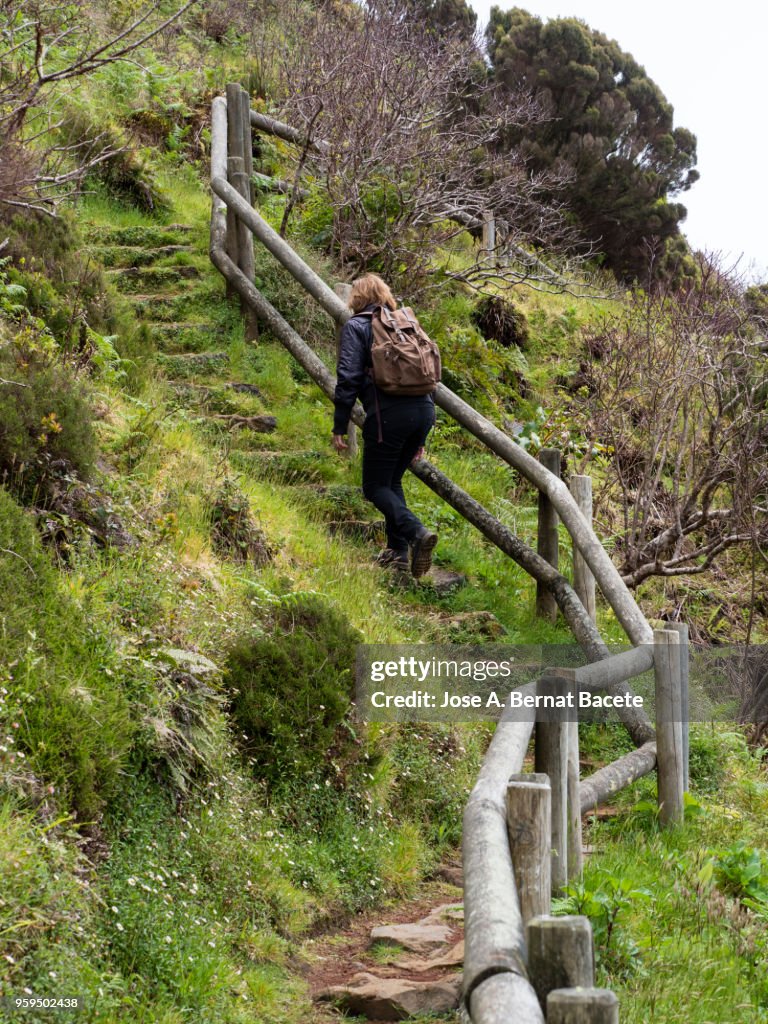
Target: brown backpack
405	359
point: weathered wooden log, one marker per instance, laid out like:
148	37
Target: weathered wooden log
529	826
560	954
505	999
234	142
583	580
616	669
247	137
547	541
596	789
278	185
681	628
494	936
669	733
489	234
610	675
284	131
220	216
552	760
582	1006
575	852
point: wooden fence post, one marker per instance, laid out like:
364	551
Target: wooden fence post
582	1006
551	757
575	854
583	580
669	732
529	826
681	628
247	262
489	234
247	134
234	149
342	289
560	954
546	606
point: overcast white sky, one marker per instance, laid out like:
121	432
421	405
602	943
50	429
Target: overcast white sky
711	62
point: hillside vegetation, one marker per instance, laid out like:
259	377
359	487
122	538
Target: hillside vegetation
186	797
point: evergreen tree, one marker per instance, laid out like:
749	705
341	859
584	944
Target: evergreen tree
609	123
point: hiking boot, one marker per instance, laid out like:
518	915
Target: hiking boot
391	559
421	552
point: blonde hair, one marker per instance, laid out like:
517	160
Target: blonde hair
368	290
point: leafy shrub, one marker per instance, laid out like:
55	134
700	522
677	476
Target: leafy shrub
611	898
234	531
502	321
742	871
46	427
706	761
291	688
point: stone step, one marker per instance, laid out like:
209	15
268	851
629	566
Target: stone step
133	255
286	467
160	308
149	236
188	364
394	998
174	338
150	280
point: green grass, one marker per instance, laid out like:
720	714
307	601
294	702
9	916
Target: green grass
685	947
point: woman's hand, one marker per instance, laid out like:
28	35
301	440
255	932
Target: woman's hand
338	442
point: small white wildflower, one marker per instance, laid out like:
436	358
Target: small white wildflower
168	940
119	927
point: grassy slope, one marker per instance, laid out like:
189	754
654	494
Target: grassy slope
197	902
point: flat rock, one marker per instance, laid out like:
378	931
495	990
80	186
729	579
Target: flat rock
421	937
395	998
446	912
451	873
443	581
453	958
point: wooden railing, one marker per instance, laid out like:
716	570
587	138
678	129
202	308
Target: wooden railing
522	833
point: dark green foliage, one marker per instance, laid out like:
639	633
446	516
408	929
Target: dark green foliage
742	871
502	321
446	16
291	689
610	125
46	427
706	762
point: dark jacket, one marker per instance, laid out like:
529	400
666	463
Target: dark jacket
353	379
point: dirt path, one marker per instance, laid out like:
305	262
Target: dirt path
339	960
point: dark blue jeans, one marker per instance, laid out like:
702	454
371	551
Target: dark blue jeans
404	429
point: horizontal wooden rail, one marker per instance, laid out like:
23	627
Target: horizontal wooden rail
494	931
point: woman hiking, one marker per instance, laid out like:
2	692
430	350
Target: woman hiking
395	430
